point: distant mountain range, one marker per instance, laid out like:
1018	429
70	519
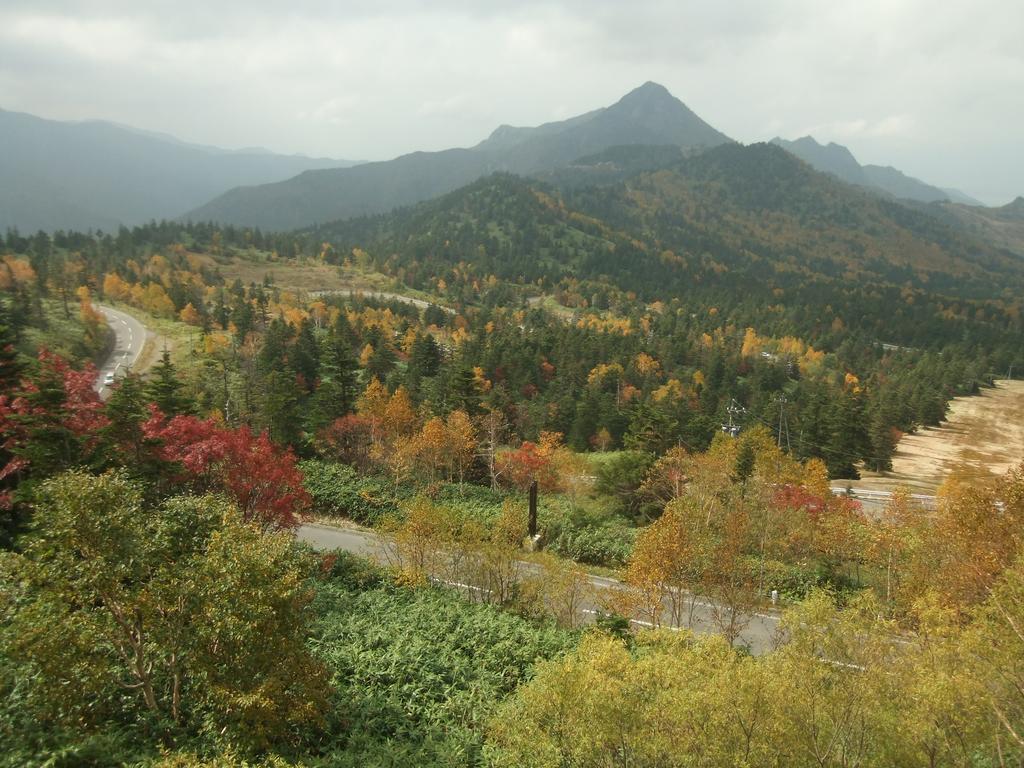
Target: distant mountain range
98	175
648	115
1002	226
840	162
93	175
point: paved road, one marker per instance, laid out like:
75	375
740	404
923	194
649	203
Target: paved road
382	295
758	636
874	502
130	337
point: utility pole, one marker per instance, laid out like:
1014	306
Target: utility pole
783	421
734	409
532	528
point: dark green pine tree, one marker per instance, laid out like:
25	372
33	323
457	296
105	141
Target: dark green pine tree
280	409
932	409
273	355
463	393
10	368
304	355
883	443
381	362
586	421
812	426
651	429
745	459
279	401
221	313
848	439
165	388
424	361
434	315
243	318
339	383
122	439
41	257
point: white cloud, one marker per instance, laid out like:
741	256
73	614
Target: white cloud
930	88
336	111
891	126
90	39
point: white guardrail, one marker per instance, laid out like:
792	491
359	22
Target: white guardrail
869	494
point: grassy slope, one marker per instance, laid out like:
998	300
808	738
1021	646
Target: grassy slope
62	335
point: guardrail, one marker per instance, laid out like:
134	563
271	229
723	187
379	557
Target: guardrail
871	494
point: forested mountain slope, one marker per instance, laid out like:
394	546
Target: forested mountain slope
1002	226
646	115
735	227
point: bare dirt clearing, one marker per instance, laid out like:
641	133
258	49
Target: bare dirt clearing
982	436
307	275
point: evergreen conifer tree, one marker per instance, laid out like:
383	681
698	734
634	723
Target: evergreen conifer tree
165	389
10	369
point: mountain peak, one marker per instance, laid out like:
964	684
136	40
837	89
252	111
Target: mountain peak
1014	209
808	139
650	97
839	161
650	90
832	158
651	115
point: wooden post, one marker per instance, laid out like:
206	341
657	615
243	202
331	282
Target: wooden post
532	530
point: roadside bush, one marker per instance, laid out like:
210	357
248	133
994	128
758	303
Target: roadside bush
795	582
473	501
619	476
417	672
608	544
338	490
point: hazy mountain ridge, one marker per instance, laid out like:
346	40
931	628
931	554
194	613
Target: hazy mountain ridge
646	115
1002	226
838	160
95	174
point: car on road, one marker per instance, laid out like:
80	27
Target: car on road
108	380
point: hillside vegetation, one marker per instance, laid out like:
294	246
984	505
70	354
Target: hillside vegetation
679	346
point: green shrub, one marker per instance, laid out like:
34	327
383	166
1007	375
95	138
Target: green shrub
620	475
417	673
338	490
473	501
609	543
796	581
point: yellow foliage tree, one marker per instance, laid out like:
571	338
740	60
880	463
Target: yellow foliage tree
190	316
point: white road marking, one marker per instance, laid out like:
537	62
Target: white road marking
641	622
459	584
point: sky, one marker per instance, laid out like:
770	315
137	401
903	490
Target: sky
935	89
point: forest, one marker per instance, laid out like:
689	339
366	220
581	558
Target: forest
683	362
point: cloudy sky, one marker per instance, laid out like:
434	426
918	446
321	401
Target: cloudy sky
933	88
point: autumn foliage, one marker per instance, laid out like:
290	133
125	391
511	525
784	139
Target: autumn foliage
53	419
260	477
531	462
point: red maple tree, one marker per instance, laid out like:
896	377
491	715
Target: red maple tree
260	477
53	419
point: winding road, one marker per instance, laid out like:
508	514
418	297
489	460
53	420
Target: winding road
758	636
129	339
380	296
